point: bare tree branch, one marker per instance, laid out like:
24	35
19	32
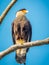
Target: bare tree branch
7	9
25	45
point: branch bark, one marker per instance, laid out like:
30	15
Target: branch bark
6	10
25	45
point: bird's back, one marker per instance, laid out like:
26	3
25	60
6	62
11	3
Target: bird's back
22	22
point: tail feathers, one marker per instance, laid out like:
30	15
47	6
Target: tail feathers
21	59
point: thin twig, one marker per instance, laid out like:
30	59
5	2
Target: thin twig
25	45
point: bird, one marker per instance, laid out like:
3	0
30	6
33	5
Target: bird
21	33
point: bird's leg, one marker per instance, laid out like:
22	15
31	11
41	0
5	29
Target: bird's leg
24	63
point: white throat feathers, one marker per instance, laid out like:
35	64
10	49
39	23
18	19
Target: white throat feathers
19	13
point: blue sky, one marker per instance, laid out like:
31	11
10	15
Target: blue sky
38	16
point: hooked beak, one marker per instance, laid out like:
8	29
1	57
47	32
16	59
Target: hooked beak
27	11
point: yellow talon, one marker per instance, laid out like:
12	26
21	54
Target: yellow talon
20	41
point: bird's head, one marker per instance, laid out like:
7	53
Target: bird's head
21	12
